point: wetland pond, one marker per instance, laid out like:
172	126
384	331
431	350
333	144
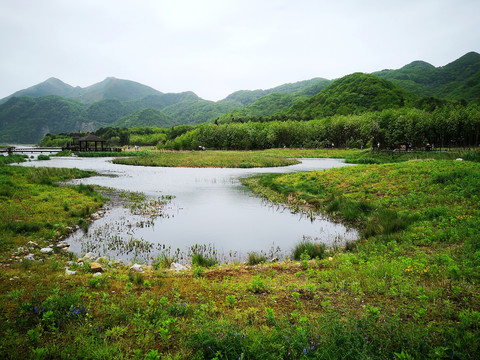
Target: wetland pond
205	210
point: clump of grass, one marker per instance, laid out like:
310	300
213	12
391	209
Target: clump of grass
471	156
255	258
43	157
313	250
204	261
163	261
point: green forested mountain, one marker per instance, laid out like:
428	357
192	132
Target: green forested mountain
264	107
112	88
27	120
144	117
459	80
277	99
190	112
160	101
353	94
50	86
105	112
309	87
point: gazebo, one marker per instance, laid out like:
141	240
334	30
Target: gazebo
84	141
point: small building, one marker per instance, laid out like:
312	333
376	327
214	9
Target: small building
88	143
91	143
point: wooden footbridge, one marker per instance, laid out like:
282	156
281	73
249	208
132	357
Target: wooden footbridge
30	150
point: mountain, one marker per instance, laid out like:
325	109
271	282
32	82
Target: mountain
105	112
161	101
458	80
112	88
191	112
26	120
274	100
145	117
246	97
353	94
50	86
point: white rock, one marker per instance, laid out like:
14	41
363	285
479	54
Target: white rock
178	267
89	256
32	244
97	274
118	262
459	159
69	272
29	257
46	250
62	245
136	267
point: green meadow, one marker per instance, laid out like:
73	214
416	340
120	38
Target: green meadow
407	289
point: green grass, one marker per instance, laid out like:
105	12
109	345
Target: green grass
313	153
409	288
11	159
387	156
111	154
218	159
34	207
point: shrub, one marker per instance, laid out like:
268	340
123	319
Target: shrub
204	261
163	262
255	258
313	250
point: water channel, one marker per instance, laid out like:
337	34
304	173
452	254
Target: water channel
209	209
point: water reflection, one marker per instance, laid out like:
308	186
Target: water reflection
210	207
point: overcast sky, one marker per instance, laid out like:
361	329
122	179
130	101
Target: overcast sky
215	47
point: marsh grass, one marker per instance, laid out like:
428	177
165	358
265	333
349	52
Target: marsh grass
12	159
388	156
219	159
204	260
309	248
254	258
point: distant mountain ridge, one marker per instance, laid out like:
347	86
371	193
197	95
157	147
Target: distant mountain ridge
110	88
457	80
54	106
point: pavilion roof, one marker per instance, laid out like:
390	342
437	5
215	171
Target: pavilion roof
91	137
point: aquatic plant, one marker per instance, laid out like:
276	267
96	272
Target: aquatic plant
309	248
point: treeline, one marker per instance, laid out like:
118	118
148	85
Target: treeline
446	126
140	135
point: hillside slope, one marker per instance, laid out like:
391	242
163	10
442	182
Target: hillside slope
457	80
353	94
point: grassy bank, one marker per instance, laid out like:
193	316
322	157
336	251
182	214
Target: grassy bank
418	262
409	289
35	208
220	159
313	153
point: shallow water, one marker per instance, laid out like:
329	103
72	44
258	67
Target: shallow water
210	208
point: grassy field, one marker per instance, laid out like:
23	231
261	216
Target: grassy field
409	289
219	159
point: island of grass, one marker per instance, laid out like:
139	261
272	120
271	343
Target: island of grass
214	159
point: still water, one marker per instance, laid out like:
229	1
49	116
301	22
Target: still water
209	208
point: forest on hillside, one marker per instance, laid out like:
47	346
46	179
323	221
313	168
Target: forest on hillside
446	126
